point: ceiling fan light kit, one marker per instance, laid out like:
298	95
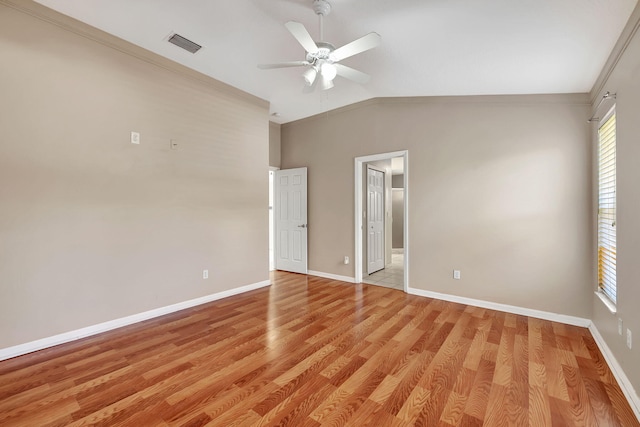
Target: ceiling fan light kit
328	70
321	57
310	76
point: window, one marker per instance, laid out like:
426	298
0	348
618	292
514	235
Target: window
607	206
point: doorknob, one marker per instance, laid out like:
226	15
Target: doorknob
302	226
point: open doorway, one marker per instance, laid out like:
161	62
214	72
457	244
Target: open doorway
392	187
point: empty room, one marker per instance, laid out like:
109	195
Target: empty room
319	213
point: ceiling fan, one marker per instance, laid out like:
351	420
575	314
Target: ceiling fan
321	57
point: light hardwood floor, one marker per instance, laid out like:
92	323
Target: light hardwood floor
309	351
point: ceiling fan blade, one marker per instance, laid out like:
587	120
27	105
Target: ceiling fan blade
352	74
283	65
367	42
302	35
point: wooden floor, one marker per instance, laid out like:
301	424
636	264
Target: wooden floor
309	352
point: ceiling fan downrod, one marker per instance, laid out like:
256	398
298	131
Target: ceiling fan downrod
322	8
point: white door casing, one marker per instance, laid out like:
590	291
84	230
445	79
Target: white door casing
291	219
360	212
375	220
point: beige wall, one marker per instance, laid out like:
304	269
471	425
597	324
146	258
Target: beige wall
397	212
499	187
94	228
274	144
625	81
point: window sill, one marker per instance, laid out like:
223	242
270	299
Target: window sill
610	305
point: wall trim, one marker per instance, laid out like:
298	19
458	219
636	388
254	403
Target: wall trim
616	369
538	314
331	276
21	349
624	382
627	34
67	23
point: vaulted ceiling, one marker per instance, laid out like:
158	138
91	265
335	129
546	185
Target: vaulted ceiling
429	47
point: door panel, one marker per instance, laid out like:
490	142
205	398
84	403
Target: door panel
283	246
291	224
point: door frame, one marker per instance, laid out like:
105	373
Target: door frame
272	222
359	209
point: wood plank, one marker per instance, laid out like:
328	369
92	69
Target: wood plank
309	351
539	407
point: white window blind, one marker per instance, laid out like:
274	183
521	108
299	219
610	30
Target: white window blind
607	206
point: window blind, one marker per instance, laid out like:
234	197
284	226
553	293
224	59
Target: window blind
607	207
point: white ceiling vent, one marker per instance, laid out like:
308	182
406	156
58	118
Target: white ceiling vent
186	44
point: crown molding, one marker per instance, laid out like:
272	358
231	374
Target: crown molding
619	49
86	31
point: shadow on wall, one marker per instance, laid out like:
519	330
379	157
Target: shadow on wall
397	211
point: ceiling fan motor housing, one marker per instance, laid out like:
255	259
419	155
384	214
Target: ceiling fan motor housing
323	53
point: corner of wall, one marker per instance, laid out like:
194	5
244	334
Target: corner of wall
625	384
275	146
616	53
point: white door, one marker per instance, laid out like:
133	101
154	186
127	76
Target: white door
375	220
291	219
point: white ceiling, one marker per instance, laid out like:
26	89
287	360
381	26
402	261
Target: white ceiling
429	47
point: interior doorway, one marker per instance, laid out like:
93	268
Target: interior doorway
395	235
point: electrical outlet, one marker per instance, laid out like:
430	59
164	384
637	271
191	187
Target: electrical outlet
205	274
346	259
456	274
135	137
620	329
173	144
629	342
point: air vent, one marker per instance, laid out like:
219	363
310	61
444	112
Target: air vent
186	44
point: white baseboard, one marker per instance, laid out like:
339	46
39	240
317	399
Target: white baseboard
332	276
19	350
539	314
616	369
626	386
